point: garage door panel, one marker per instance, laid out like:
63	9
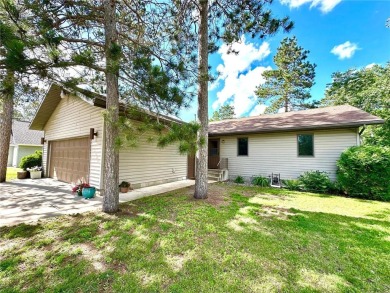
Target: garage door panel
69	159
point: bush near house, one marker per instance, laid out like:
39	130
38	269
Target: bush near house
31	161
261	181
364	172
315	181
239	180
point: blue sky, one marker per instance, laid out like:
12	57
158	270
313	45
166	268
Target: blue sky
340	34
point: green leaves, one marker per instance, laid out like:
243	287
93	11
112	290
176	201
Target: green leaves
364	172
367	89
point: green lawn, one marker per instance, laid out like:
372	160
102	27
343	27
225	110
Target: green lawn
11	173
241	239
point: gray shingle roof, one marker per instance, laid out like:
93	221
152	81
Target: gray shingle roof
21	134
322	118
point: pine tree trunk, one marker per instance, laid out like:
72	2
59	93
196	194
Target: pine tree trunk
111	153
6	122
285	104
201	184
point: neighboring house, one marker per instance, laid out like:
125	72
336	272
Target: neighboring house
70	154
288	143
23	142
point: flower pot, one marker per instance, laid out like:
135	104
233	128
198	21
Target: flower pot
89	192
35	174
21	175
124	189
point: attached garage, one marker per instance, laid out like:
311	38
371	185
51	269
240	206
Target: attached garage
70	154
69	159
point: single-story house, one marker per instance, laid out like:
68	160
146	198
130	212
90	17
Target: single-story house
70	154
287	143
23	142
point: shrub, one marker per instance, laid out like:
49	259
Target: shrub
364	172
260	181
315	181
31	161
292	184
239	179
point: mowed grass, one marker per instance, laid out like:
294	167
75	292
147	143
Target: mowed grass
11	173
241	239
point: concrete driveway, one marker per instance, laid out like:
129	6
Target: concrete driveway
23	201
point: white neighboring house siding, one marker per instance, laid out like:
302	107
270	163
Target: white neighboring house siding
278	153
73	118
147	164
10	155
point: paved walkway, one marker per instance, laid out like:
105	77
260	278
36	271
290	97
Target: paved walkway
28	200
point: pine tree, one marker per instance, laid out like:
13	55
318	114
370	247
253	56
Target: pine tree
224	112
288	86
113	50
207	23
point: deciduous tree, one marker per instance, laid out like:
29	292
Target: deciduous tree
367	89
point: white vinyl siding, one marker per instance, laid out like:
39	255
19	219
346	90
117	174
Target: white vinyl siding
10	155
278	153
142	166
148	164
73	118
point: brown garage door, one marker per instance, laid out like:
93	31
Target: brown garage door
69	159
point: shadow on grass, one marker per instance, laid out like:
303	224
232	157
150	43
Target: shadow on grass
172	243
20	231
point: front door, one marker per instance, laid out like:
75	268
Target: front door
213	154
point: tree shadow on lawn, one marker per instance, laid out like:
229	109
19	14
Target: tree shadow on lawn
174	243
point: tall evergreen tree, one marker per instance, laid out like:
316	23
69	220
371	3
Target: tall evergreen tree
288	86
207	24
113	49
14	67
224	112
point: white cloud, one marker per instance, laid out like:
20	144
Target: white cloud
345	50
240	80
258	109
233	64
324	5
371	65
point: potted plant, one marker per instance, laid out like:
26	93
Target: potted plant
88	192
78	188
35	172
21	174
124	186
30	162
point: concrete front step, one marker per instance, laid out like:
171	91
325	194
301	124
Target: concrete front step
218	174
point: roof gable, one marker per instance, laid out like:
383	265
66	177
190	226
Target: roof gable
21	134
53	98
